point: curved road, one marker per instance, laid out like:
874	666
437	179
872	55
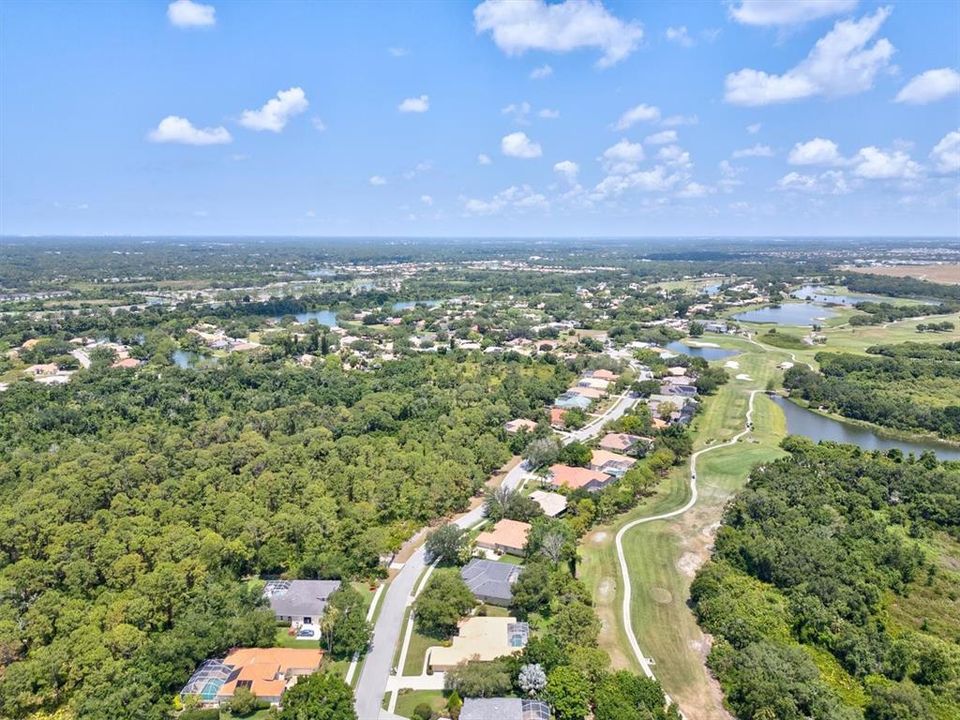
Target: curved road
644	661
386	632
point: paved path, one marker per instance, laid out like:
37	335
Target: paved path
386	633
645	662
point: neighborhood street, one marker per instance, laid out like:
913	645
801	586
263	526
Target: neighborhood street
378	666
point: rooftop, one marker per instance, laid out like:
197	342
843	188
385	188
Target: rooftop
506	533
289	598
576	477
490	579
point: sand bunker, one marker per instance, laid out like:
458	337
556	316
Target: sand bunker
732	364
744	376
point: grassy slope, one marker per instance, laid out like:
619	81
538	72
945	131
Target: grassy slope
663	556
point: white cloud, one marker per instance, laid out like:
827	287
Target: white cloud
654	180
664	137
426	200
187	14
674	155
173	129
539	73
623	157
679	35
483	159
378	180
830	182
754	128
418	169
818	151
875	164
398	52
415	104
276	113
318	124
557	27
839	64
930	86
757	150
518	145
515	198
568	169
787	12
677	120
518	111
693	190
548	114
946	153
640	113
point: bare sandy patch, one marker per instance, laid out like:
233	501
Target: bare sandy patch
598	538
744	376
732	364
689	563
946	273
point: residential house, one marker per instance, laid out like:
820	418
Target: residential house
507	536
480	638
266	672
556	417
568	401
299	602
604	375
491	581
681	390
611	463
515	426
504	709
576	478
126	364
41	369
622	442
595	383
587	392
552	504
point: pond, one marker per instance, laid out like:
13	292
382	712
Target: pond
410	304
186	359
788	314
707	353
323	317
821	294
801	421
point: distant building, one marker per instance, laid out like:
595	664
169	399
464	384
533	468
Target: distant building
576	478
504	709
266	672
507	536
611	463
551	503
515	426
491	581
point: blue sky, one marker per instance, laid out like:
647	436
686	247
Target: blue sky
834	117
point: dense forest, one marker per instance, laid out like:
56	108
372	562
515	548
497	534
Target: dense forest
132	503
833	592
911	386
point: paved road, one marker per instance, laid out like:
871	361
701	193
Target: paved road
386	633
644	661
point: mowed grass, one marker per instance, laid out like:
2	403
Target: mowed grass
408	700
663	556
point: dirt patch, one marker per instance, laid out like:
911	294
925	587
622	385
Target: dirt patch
607	591
661	595
598	538
948	274
689	563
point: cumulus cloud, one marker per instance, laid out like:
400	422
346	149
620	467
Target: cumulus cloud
188	14
818	151
679	35
540	73
930	86
677	120
840	63
693	190
415	104
548	114
875	164
426	200
757	150
655	180
623	157
640	113
174	129
518	145
378	180
483	159
664	137
318	124
568	169
830	182
276	113
946	153
557	27
514	198
787	12
520	112
674	155
754	128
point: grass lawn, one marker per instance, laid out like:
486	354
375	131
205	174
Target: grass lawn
408	700
663	556
258	715
285	640
493	611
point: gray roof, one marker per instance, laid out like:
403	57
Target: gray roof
291	598
504	709
490	579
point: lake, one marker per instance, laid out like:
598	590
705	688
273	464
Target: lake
788	314
410	304
801	421
820	294
323	317
186	359
707	353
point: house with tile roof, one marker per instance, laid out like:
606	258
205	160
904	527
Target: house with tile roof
576	478
507	536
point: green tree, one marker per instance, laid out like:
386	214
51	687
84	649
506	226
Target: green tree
576	454
445	544
442	603
346	630
321	696
478	679
569	693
